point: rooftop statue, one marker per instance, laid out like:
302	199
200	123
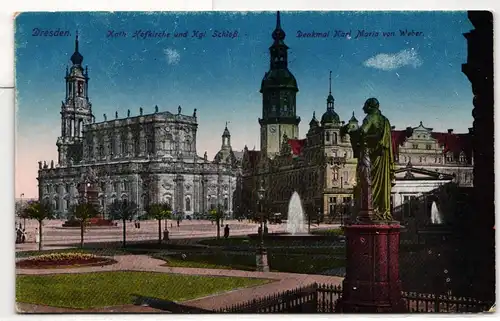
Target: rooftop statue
372	146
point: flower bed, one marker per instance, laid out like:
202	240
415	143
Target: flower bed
63	260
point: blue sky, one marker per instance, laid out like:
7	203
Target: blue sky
415	78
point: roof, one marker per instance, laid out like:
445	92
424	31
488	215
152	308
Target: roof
454	143
450	141
253	157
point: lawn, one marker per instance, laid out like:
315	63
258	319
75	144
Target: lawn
92	290
278	261
244	243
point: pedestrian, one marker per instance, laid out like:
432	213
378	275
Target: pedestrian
37	236
23	237
178	222
226	231
138	224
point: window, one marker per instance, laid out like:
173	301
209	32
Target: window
406	206
226	204
331	199
67	204
420	159
124	148
415	146
335	138
428	146
327	136
335	174
116	186
449	157
188	204
346	176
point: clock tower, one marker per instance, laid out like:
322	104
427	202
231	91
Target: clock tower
76	111
279	90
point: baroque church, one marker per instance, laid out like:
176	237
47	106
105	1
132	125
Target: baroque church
321	166
147	158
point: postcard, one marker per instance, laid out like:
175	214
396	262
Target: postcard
254	162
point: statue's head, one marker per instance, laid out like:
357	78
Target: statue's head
371	104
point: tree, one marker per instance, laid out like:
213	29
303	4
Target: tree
123	210
38	211
83	212
217	214
160	211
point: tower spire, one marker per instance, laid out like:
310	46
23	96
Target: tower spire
76	42
76	58
330	100
330	91
278	33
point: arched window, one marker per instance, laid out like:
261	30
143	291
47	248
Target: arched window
327	136
188	204
335	174
335	138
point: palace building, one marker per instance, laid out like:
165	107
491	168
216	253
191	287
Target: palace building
145	158
321	166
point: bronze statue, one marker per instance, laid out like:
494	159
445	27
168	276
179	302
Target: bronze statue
105	118
39	165
128	112
116	114
179	109
372	146
156	108
140	111
194	113
205	156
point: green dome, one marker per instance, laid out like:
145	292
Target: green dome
330	117
279	78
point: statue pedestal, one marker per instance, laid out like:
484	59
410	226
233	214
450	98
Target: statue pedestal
261	260
372	281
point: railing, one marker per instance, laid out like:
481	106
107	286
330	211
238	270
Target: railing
323	298
299	300
421	302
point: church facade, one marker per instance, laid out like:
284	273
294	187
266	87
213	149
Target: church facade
321	167
151	157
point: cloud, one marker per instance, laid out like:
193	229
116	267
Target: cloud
173	56
387	62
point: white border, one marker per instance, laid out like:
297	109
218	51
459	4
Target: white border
7	10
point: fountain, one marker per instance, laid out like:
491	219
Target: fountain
436	217
295	222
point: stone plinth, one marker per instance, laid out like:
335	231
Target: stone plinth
261	260
372	282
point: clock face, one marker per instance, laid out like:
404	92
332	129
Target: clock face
272	129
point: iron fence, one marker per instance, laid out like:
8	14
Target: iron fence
323	298
299	300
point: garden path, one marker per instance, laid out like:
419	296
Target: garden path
144	263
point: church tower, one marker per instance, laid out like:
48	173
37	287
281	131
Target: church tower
76	111
279	90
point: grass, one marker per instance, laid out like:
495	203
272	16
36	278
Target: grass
93	290
278	261
298	246
329	232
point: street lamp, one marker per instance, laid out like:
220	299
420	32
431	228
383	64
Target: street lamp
261	257
24	219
